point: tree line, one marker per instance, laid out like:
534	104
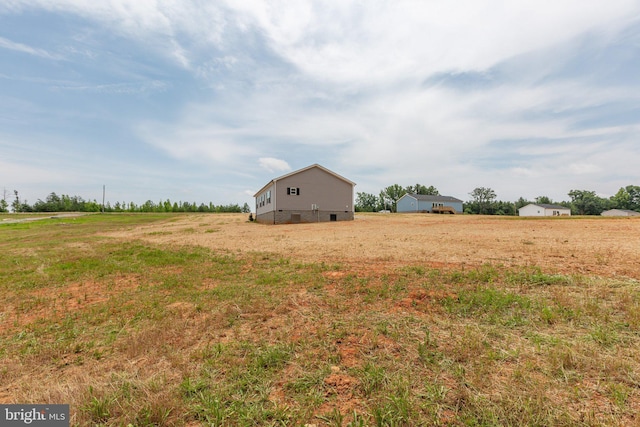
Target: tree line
65	203
483	200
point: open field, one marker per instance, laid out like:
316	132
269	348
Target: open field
387	320
594	246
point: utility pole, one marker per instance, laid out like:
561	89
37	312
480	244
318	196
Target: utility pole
103	191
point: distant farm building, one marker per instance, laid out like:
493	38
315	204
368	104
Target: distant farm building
534	209
620	212
312	194
429	204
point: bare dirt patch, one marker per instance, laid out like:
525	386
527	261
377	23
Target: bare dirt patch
57	302
607	247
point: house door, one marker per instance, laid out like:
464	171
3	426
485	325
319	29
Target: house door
333	217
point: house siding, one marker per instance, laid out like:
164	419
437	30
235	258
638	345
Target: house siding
269	205
537	210
314	186
620	212
409	203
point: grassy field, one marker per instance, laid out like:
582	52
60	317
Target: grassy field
389	320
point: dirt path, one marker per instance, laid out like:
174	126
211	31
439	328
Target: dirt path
38	218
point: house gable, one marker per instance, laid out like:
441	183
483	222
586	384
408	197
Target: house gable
310	194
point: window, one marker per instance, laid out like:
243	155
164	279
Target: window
269	196
293	191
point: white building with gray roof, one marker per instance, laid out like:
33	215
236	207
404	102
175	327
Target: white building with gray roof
539	209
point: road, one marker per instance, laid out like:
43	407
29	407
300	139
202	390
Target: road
55	216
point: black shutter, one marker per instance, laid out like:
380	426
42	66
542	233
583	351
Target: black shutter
288	190
298	192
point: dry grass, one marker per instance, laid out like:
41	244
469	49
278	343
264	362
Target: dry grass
606	247
386	320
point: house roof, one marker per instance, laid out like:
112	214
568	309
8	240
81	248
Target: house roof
545	206
430	198
315	165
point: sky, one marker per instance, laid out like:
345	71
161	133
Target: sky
207	101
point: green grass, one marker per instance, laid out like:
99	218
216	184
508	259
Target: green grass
133	333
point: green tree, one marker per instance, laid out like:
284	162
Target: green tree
585	202
148	206
503	208
421	189
390	195
521	202
92	206
366	202
16	205
53	203
544	200
4	205
483	197
627	198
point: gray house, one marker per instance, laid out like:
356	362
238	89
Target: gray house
620	212
312	194
428	204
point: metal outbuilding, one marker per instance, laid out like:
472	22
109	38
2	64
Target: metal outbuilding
620	212
535	209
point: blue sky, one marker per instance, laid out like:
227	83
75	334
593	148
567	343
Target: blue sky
207	101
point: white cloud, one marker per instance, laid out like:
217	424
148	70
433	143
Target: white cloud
274	165
372	42
213	144
350	41
174	28
19	47
583	168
